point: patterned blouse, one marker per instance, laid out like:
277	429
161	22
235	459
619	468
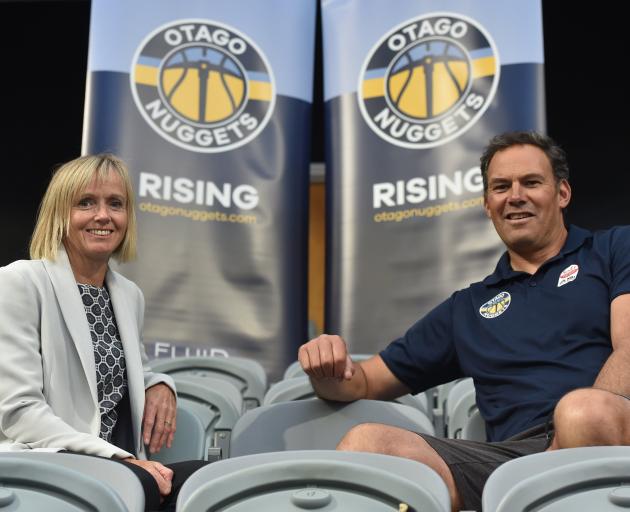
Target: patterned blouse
111	377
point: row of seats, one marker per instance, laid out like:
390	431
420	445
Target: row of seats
594	478
277	444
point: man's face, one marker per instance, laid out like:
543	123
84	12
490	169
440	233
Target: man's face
523	199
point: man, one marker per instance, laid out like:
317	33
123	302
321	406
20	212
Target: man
548	333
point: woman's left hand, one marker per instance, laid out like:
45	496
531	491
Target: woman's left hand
160	417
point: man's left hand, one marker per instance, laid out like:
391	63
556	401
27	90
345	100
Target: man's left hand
160	417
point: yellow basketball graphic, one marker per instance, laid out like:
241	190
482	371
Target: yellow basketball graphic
429	79
202	84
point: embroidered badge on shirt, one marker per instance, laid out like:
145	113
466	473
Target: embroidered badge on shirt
568	274
496	306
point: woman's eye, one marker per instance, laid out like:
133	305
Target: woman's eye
85	202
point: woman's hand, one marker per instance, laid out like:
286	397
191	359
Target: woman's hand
162	475
160	417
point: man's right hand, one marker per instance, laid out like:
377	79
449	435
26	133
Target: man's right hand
326	357
162	475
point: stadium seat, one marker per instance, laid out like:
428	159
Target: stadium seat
439	411
246	374
64	482
593	478
191	441
463	420
315	480
299	388
315	424
217	405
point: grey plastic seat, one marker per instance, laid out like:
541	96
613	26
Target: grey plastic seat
247	375
439	411
57	482
300	388
463	417
217	405
591	479
295	369
191	441
315	424
460	404
314	480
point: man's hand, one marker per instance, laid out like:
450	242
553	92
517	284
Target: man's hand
162	475
160	417
326	357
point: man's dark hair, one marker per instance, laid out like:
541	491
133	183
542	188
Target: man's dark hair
556	155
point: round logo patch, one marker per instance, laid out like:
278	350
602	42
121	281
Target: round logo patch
428	80
496	306
202	86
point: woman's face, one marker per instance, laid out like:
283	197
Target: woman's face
98	220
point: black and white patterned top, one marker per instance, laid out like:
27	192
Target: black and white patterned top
111	377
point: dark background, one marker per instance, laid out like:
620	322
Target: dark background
44	58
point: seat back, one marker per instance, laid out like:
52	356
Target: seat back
591	478
191	441
60	482
315	424
217	404
301	480
300	388
247	375
459	406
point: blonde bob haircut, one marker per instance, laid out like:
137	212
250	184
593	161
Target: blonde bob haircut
67	183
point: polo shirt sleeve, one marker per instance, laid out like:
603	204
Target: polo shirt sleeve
620	262
425	356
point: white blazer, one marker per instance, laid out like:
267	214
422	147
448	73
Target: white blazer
48	397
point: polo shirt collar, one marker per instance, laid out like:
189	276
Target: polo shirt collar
575	239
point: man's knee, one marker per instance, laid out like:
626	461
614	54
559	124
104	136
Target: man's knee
590	416
588	406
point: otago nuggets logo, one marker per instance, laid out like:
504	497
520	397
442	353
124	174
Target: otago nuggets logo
496	306
202	86
428	80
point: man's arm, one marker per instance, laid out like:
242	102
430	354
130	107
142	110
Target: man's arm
614	374
335	376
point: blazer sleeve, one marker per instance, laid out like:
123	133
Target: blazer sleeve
25	416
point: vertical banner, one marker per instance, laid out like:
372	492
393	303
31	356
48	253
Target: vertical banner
209	102
413	92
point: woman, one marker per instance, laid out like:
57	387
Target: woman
70	328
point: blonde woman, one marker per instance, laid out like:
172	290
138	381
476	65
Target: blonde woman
70	334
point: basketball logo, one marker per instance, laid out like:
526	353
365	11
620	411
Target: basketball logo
202	86
428	80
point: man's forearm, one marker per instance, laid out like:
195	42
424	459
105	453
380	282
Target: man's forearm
342	390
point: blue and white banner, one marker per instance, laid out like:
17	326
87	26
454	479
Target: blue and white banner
413	92
209	102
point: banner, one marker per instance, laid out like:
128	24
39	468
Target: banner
209	102
413	92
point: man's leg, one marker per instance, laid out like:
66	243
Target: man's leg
388	440
591	417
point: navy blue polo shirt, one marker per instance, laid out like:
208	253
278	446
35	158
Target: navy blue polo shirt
525	339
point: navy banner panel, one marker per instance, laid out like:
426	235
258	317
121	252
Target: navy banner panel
414	90
209	103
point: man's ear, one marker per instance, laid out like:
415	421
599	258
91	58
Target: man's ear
564	193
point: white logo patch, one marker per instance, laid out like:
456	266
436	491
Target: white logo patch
496	306
568	274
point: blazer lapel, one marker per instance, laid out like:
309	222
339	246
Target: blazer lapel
73	312
127	325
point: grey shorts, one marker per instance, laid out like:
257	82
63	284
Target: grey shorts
471	462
